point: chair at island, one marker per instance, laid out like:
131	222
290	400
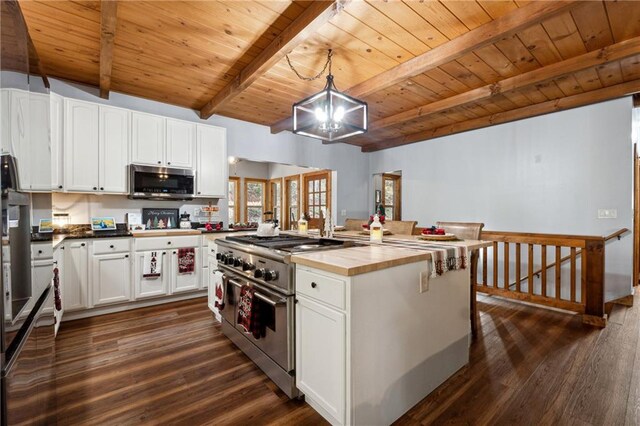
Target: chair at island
351	224
400	227
468	231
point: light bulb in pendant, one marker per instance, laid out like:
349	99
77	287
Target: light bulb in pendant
321	115
338	115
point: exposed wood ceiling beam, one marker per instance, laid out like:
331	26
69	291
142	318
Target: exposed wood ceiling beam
108	12
35	65
607	54
477	38
594	96
636	100
312	18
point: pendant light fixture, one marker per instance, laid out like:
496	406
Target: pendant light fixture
328	115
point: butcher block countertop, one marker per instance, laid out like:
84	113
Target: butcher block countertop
167	233
360	260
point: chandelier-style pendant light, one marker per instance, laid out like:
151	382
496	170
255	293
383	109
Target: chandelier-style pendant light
328	115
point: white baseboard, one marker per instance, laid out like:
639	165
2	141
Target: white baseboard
86	313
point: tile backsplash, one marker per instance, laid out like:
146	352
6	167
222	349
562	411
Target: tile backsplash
81	207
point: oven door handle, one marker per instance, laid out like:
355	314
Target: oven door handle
259	295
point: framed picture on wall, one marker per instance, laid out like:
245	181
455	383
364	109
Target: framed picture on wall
161	218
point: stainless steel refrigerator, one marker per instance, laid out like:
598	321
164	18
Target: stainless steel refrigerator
27	328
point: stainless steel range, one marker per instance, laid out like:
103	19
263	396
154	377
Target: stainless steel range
263	263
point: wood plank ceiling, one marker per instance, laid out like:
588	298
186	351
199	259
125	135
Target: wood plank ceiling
185	53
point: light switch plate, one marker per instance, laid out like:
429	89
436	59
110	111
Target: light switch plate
343	213
607	213
424	281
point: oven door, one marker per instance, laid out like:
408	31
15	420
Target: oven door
275	318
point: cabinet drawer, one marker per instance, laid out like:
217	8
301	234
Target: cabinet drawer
158	243
119	245
41	251
321	287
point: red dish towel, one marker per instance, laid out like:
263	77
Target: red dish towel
249	313
186	260
56	289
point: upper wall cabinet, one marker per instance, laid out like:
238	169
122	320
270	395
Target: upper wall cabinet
56	106
96	146
148	139
159	141
211	168
181	138
37	160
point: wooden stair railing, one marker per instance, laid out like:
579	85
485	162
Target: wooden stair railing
589	300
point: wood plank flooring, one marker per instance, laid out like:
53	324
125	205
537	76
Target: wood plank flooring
171	365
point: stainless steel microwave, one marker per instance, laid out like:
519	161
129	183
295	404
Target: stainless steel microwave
150	182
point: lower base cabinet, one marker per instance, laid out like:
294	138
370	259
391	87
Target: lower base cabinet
111	278
151	287
321	356
76	276
190	281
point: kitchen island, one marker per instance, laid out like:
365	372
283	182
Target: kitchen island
375	333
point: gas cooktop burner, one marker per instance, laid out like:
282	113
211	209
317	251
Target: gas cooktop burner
277	242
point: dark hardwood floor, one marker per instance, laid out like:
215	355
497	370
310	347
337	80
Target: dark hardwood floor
171	365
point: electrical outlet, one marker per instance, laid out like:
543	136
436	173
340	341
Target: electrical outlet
607	213
424	281
343	213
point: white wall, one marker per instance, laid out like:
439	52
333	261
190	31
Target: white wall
547	174
255	142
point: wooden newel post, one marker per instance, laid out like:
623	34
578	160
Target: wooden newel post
593	283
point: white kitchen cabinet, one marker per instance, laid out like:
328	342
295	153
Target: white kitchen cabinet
321	356
56	107
212	169
151	287
113	150
185	282
38	157
181	142
19	130
5	119
76	276
111	278
81	146
148	139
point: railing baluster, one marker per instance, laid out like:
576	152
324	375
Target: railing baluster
495	264
583	278
518	286
573	274
484	266
543	267
506	266
530	267
558	271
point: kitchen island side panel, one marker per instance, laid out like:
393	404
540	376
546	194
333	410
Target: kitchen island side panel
404	343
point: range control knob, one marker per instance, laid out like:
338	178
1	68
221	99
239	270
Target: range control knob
247	266
259	273
238	262
270	275
218	256
229	260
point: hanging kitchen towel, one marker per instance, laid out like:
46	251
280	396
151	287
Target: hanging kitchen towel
219	284
56	289
152	264
245	308
186	260
446	258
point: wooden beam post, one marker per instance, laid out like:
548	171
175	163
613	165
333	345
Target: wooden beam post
477	38
108	13
593	256
615	52
587	98
313	17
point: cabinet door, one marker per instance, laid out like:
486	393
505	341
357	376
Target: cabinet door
39	157
181	142
114	150
211	168
5	119
148	139
19	128
41	276
76	277
56	126
321	355
111	278
81	147
151	287
185	282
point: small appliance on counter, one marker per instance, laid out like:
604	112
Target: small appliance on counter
185	221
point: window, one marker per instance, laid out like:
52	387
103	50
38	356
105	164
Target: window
291	200
254	195
391	196
275	198
234	204
317	192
